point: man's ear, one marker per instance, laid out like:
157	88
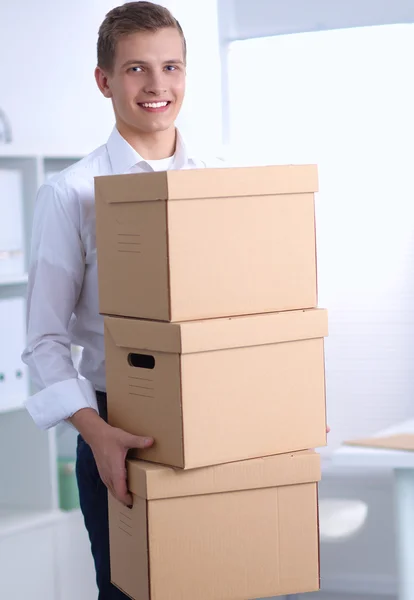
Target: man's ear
102	82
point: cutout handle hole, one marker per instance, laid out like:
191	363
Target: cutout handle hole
141	361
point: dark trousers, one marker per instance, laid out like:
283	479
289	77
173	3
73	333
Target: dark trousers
93	496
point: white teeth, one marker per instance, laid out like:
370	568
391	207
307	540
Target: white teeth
154	104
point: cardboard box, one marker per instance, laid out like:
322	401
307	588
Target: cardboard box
233	532
206	243
219	390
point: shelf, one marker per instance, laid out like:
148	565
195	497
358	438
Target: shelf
15	152
74	513
13	405
14	521
14	280
27	153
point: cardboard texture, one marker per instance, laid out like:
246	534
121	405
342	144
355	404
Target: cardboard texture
206	243
236	531
219	390
400	441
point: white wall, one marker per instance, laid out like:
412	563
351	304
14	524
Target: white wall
342	100
47	59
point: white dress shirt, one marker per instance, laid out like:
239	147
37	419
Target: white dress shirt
63	307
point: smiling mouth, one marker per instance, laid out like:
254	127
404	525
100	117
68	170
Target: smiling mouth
155	106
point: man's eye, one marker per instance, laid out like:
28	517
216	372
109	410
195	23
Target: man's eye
136	69
170	68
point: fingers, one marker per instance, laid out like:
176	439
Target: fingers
136	441
121	492
120	479
117	486
111	489
124	498
111	462
114	477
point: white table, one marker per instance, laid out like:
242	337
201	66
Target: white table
402	465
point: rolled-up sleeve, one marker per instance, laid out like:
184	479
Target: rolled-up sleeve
56	275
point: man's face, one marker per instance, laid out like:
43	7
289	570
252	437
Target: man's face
147	83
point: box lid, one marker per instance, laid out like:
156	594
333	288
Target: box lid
217	334
189	184
152	481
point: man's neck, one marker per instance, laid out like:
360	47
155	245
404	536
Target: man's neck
151	146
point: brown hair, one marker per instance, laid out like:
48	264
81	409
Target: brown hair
130	18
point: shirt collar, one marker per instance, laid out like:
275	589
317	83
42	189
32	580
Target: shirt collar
124	157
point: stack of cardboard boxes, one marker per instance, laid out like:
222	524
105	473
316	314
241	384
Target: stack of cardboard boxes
215	348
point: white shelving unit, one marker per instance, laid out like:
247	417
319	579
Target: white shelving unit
35	535
13	280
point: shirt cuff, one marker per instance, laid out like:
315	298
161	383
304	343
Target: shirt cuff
58	402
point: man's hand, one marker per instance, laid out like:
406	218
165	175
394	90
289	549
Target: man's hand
109	446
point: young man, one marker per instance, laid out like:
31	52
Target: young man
142	70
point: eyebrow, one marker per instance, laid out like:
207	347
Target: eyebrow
173	61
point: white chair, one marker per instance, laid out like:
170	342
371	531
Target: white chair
339	520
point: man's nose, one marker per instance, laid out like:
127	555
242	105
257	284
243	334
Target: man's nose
156	91
156	85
